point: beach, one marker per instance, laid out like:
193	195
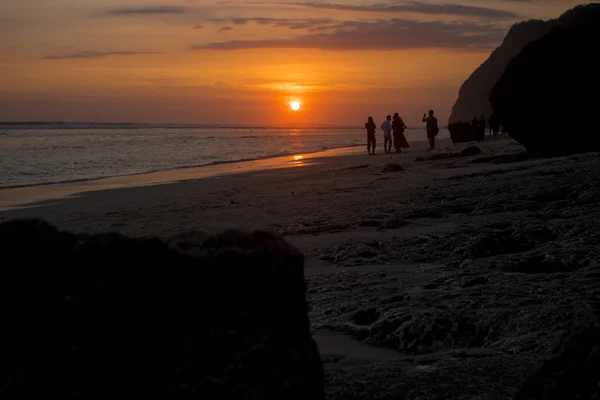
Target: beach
459	272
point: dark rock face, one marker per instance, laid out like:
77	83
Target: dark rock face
541	98
107	316
573	373
474	95
462	132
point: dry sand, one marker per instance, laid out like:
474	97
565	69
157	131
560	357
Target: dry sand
451	279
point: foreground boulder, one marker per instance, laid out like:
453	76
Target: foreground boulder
106	316
546	98
462	132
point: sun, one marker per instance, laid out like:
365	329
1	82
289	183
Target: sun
294	105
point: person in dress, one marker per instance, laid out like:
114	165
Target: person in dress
398	128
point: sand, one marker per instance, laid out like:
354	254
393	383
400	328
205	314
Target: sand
453	278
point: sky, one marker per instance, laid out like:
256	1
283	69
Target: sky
244	61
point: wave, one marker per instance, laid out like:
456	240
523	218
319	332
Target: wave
181	167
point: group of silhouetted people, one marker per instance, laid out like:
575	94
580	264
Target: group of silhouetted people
393	133
479	125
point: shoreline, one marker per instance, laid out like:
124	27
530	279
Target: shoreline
12	198
36	195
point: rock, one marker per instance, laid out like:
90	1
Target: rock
392	168
480	280
369	222
462	132
393	223
546	80
89	316
365	317
473	96
470	151
367	253
572	373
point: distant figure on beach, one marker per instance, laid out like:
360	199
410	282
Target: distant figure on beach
475	124
386	127
371	128
482	126
432	128
494	126
398	128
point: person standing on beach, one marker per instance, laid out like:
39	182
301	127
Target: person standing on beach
371	128
432	128
482	126
398	128
386	127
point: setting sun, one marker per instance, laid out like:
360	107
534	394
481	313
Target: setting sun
295	105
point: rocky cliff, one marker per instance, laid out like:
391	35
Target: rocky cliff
547	98
473	96
107	316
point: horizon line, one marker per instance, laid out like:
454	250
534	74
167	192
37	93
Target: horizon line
8	124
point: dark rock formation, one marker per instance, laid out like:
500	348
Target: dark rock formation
546	99
462	132
573	373
106	316
473	97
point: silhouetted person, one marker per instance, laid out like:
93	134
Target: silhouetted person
386	127
371	128
398	128
493	125
482	126
431	127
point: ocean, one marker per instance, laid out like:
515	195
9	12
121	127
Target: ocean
42	156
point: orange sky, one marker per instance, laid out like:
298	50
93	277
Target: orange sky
242	62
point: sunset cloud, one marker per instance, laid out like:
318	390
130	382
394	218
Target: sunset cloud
408	6
160	10
392	34
300	23
96	54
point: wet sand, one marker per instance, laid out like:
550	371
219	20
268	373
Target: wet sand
453	278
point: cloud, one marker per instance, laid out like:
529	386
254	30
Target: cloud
409	6
302	23
225	29
198	27
96	54
160	10
391	34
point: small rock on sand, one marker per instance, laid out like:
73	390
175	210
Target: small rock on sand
392	168
470	151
